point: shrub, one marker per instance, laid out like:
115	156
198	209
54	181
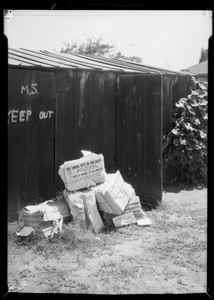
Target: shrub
185	147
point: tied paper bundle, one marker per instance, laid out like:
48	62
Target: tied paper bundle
135	207
133	213
84	210
82	173
124	219
114	194
43	219
75	203
91	211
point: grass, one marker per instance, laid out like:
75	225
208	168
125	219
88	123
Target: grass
172	255
72	237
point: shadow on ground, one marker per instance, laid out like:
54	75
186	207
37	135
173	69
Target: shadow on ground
178	187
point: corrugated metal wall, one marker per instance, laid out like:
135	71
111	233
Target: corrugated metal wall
31	113
139	134
52	115
85	116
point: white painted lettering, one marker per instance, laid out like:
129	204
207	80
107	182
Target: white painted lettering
33	86
50	112
45	114
14	115
23	88
33	91
22	115
28	114
9	113
41	115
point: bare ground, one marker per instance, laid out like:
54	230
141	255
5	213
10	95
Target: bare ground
167	257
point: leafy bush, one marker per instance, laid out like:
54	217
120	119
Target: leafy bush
185	147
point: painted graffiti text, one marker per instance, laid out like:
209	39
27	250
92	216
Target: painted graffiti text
30	91
15	115
45	114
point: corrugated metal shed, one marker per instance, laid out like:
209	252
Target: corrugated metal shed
59	104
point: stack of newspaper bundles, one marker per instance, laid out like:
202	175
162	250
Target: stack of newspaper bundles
87	186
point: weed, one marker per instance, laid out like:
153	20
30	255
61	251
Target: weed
185	147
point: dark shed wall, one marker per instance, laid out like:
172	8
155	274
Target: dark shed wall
68	111
85	116
139	134
73	110
31	96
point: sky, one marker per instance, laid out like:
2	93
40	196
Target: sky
166	39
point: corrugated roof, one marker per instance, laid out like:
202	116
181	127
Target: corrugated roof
43	58
201	68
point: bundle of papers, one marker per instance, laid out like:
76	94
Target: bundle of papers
75	203
83	208
48	228
135	207
114	194
92	214
43	219
133	213
82	173
124	219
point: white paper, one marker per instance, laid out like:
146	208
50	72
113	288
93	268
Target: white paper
124	220
26	231
144	222
91	211
84	152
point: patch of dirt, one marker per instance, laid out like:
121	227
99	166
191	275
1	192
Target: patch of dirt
168	256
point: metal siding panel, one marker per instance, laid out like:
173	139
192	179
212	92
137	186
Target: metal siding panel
139	134
85	116
73	90
14	134
102	117
30	143
95	112
82	102
46	134
65	141
184	86
108	110
122	124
